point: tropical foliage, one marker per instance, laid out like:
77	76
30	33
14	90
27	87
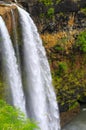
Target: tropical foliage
80	43
13	119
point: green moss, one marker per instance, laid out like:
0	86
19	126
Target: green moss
49	13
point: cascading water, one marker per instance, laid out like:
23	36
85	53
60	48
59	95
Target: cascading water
40	96
53	111
15	38
11	68
15	1
37	83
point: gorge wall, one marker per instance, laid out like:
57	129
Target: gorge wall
61	27
51	16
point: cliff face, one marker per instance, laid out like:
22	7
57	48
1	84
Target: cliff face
52	17
6	13
63	27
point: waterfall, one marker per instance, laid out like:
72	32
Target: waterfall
15	39
40	96
11	68
15	1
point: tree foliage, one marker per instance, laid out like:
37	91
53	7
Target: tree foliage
13	119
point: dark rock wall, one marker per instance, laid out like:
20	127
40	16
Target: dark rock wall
68	16
61	15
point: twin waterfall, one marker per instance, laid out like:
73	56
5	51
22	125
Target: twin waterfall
30	90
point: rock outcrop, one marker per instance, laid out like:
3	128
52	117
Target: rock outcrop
6	13
55	17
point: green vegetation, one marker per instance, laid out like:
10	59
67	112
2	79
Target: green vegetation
49	2
46	2
49	7
13	119
50	12
80	43
62	68
83	10
67	57
59	48
74	105
69	85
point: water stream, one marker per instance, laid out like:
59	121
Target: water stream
40	96
11	68
30	90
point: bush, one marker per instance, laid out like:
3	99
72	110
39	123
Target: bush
62	68
50	12
81	42
69	88
13	119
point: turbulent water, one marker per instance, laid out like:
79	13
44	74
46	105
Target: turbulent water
11	68
40	96
31	89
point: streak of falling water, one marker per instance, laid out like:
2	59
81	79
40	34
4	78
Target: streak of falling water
15	38
11	68
40	97
15	1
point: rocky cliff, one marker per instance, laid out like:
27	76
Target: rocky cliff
51	16
62	26
6	13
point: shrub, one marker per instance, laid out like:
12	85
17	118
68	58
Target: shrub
50	12
81	42
13	119
62	68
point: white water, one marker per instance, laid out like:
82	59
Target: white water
40	96
15	1
15	39
11	68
